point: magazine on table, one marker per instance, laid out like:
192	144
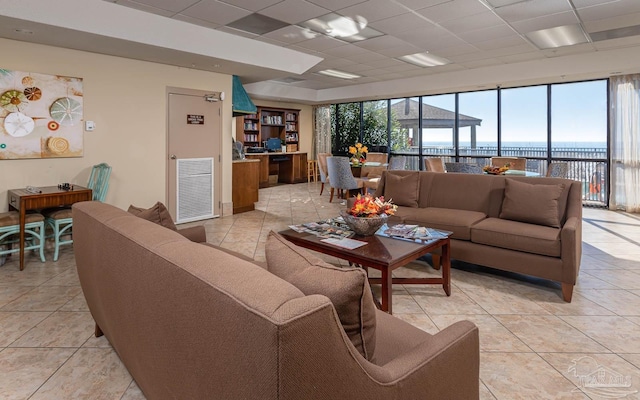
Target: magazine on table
345	242
329	228
412	232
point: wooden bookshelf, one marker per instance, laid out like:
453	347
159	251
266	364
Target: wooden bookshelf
282	123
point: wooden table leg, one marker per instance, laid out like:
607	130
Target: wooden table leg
21	244
446	268
387	287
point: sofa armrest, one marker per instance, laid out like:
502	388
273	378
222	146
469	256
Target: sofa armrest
447	365
196	234
571	240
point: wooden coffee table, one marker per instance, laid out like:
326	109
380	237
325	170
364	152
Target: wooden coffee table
384	254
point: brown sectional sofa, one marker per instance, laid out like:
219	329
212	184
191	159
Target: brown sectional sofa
191	321
528	225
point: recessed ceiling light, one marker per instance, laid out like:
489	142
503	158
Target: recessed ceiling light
345	28
559	36
424	60
338	74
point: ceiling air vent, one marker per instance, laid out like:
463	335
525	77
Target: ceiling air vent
615	33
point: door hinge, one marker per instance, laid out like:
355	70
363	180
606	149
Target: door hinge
219	157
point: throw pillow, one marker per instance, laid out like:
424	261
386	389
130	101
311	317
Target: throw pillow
347	288
403	190
535	204
158	213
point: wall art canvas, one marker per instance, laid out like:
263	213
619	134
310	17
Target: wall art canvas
40	115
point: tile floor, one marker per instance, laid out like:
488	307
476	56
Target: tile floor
532	344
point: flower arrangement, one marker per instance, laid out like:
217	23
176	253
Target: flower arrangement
490	169
369	207
358	153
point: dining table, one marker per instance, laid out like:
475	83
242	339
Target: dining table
30	198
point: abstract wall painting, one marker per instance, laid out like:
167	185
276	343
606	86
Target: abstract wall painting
40	115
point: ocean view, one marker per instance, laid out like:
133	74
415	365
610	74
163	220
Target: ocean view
480	144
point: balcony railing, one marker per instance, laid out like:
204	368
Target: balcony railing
587	165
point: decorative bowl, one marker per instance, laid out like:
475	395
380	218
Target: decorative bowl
364	226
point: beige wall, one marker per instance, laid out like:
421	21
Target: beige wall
127	100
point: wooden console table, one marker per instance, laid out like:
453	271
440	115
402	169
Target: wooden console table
50	196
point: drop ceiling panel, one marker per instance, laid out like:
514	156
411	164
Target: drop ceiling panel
345	51
291	34
453	10
400	23
320	43
418	4
507	41
144	7
196	21
380	42
566	50
373	10
481	35
457	50
532	9
294	11
335	4
216	12
472	22
366	57
171	5
252	5
428	36
387	62
546	22
609	10
612	23
400	50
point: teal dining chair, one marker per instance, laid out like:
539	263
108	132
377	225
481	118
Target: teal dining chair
59	219
10	233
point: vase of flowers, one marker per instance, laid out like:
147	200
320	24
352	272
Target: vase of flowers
358	153
368	214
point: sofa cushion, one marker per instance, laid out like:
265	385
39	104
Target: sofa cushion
158	213
515	235
457	221
347	288
536	204
403	190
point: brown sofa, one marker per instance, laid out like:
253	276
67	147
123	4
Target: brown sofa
190	321
528	225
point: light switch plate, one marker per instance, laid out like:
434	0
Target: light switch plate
89	126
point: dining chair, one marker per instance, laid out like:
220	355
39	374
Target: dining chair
341	177
10	234
59	219
516	163
377	157
463	168
322	169
397	163
558	170
434	164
